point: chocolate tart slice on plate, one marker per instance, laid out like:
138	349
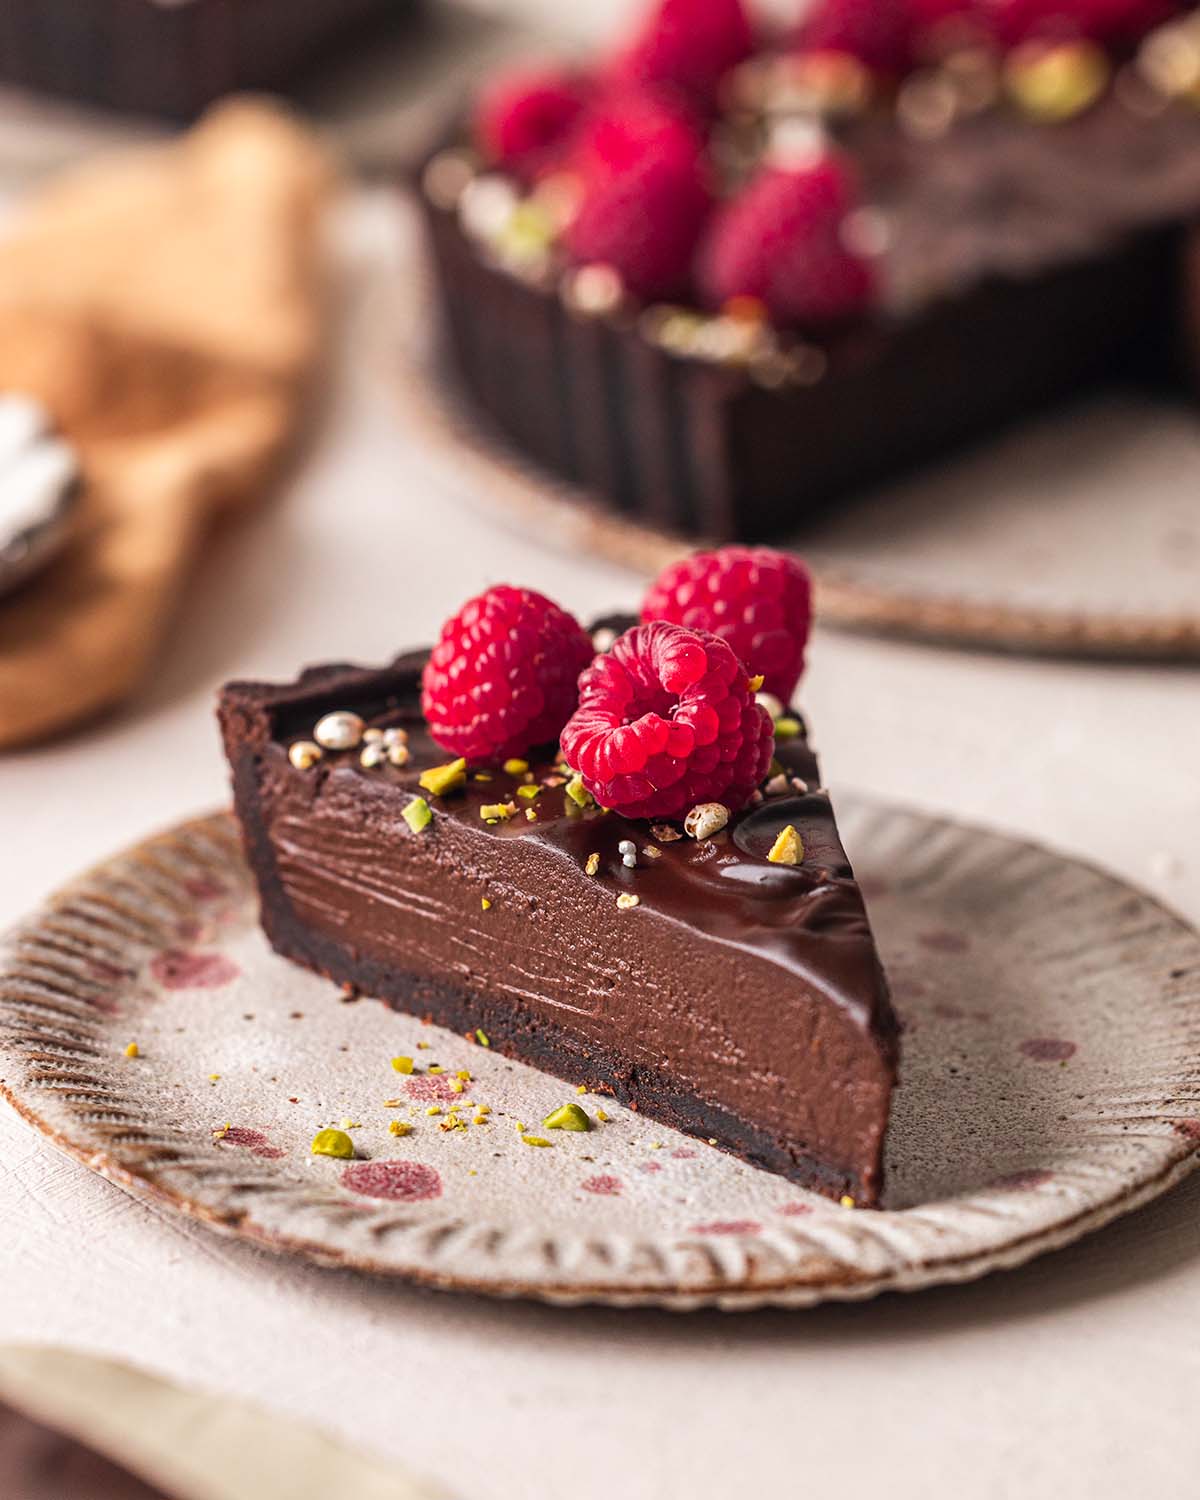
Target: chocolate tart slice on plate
732	997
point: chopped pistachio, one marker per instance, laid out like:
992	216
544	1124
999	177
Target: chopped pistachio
434	1109
482	1038
480	1120
846	1201
593	864
787	728
399	1127
455	1086
529	792
133	1050
578	793
788	848
582	1089
496	812
567	1117
418	815
536	1140
440	780
402	1064
602	1116
464	1074
516	766
333	1143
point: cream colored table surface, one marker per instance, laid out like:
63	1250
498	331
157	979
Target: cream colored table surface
1077	1376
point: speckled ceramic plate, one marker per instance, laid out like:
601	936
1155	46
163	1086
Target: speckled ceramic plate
1077	535
1051	1082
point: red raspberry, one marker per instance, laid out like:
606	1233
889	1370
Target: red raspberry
503	676
779	240
642	211
877	32
688	46
523	121
758	600
630	128
666	719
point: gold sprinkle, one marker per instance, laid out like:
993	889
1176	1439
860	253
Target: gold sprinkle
394	1103
440	780
485	1109
755	683
626	901
651	852
593	864
481	1119
133	1050
516	767
846	1201
485	904
482	1038
399	1127
402	1064
530	815
582	1089
455	1086
483	776
351	1124
214	1078
536	1140
656	1145
602	1116
464	1074
436	1068
424	1046
434	1109
712	1140
788	848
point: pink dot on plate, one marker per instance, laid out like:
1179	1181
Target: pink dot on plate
649	1166
179	969
794	1210
397	1181
252	1140
943	941
683	1153
433	1088
605	1187
728	1226
1034	1177
1047	1049
1189	1129
204	888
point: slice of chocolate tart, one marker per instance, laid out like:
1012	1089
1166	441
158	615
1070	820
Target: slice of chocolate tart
695	978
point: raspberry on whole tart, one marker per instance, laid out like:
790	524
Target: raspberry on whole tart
780	240
667	720
757	599
644	222
629	128
876	32
502	677
524	121
688	46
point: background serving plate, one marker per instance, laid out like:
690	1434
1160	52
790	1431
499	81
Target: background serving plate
1051	1083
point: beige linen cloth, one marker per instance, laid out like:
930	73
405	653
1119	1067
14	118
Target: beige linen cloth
167	306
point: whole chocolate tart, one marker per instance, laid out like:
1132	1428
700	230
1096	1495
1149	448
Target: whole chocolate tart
1022	260
734	998
173	57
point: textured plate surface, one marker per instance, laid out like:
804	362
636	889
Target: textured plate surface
1051	1082
1077	535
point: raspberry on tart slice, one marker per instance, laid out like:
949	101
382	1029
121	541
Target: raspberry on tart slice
667	720
686	47
525	121
757	599
878	33
502	677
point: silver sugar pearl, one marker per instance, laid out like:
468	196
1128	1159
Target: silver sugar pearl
395	736
626	847
373	736
629	861
372	755
397	755
341	730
